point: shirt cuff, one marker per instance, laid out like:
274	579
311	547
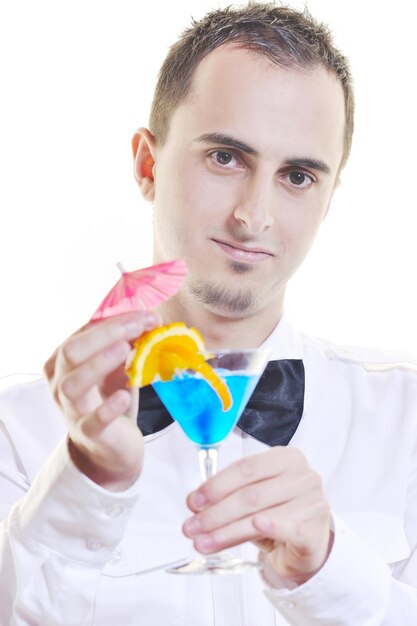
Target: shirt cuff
352	587
68	513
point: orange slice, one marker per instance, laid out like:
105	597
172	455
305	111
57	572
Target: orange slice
160	353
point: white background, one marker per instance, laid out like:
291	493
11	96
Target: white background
76	79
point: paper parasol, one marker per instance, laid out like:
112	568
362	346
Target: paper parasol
143	289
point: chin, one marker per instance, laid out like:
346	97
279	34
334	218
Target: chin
224	301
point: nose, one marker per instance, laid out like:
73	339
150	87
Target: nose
254	208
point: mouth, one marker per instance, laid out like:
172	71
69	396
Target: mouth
244	254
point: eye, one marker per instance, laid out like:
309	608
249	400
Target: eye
224	158
300	179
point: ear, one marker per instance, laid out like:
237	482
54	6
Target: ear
143	146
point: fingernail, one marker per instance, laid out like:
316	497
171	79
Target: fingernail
192	526
133	326
205	542
150	320
198	499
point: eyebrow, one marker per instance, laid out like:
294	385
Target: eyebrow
226	140
313	164
231	142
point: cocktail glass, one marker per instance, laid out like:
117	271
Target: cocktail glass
193	403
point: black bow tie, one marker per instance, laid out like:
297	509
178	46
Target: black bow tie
272	414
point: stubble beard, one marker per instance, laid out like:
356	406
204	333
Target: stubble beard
225	300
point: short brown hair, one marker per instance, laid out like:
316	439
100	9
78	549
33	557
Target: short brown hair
290	38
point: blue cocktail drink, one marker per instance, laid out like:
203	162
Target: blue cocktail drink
194	404
207	420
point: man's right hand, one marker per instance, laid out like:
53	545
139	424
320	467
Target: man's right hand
87	378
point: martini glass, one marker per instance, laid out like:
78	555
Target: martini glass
193	403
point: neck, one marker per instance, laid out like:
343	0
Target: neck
219	330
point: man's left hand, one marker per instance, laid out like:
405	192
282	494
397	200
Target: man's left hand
273	499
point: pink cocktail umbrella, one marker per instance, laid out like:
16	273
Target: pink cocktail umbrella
142	289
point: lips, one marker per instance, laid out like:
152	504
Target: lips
242	253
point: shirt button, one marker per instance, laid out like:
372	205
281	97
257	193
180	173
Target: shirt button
114	510
94	545
115	557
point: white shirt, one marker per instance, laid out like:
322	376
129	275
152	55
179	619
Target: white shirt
75	554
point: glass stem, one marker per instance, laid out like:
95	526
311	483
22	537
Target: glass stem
208	467
208	462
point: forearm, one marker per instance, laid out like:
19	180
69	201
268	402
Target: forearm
55	542
355	586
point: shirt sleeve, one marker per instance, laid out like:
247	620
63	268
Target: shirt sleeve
55	541
355	586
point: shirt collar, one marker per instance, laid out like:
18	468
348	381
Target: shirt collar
284	342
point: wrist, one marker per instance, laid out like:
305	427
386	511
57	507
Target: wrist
301	578
293	579
110	480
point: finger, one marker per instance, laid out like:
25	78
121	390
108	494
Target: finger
297	551
80	380
254	498
107	446
248	470
49	367
85	405
96	337
286	523
113	407
117	379
228	536
300	530
134	404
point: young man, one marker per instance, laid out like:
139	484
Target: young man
250	127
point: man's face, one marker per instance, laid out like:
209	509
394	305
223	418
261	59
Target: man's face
245	177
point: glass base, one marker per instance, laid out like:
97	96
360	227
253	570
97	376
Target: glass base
220	563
